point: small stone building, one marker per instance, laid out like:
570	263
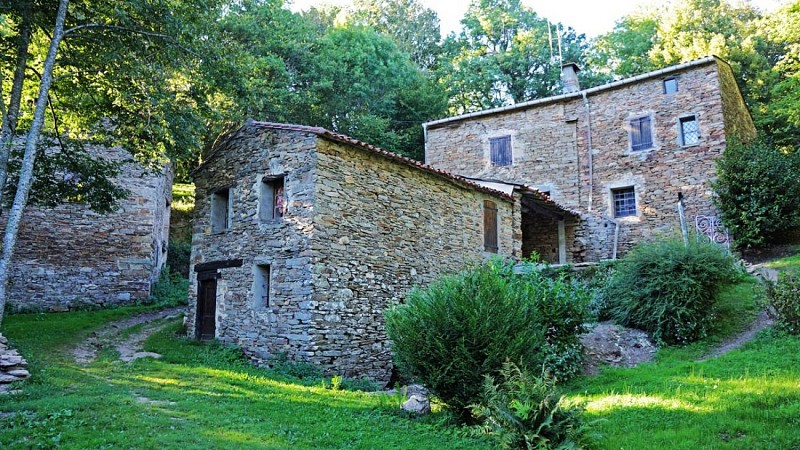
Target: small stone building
69	256
303	237
621	155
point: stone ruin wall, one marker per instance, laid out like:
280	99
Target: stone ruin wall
70	257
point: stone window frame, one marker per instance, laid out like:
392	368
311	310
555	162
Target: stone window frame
266	187
510	139
629	128
686	118
665	82
214	195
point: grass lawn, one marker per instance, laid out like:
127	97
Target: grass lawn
196	396
746	399
790	263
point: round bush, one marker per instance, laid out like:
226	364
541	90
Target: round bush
669	289
463	327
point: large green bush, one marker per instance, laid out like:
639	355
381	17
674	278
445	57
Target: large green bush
463	327
784	300
526	412
669	289
757	191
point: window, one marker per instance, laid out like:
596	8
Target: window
221	210
501	150
489	226
624	200
670	86
690	130
273	199
641	133
261	286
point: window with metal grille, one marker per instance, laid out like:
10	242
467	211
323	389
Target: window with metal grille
641	133
670	86
690	130
501	150
624	201
489	226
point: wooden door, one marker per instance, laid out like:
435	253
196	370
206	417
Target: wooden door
207	309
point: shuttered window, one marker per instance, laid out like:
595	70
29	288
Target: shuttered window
489	226
641	133
501	150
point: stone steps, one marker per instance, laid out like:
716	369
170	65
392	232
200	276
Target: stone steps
13	366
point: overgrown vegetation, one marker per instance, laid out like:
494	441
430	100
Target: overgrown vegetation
784	301
757	191
463	327
171	289
526	412
669	289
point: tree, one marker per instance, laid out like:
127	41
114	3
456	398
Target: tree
413	27
507	54
625	51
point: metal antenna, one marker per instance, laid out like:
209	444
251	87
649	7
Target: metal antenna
558	35
550	39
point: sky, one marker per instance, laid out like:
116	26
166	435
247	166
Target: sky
592	17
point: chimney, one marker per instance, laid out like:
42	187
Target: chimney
569	78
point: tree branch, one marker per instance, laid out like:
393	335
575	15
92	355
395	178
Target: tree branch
165	37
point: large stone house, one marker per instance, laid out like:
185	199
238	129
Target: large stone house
69	256
621	154
303	237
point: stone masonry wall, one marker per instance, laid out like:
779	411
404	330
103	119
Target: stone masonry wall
285	324
69	256
550	151
381	228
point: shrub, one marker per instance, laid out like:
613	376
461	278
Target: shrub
462	327
526	412
171	289
178	257
669	289
784	301
757	191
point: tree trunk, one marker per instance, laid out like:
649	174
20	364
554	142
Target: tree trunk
12	113
26	171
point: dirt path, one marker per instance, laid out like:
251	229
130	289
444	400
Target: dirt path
130	347
762	321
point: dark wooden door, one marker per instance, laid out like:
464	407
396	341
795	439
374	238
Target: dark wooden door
207	309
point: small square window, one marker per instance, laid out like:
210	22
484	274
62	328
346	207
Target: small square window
221	210
624	201
273	199
641	134
490	226
501	151
670	86
690	130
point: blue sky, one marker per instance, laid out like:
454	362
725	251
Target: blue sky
592	17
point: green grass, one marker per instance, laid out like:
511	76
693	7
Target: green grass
746	399
789	263
183	196
196	396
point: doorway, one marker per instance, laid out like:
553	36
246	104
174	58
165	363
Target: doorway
206	308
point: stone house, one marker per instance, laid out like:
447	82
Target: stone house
69	256
303	237
621	155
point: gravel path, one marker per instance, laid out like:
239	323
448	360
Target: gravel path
130	347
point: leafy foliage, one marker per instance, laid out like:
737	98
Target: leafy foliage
757	191
463	327
784	301
526	412
669	289
171	289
